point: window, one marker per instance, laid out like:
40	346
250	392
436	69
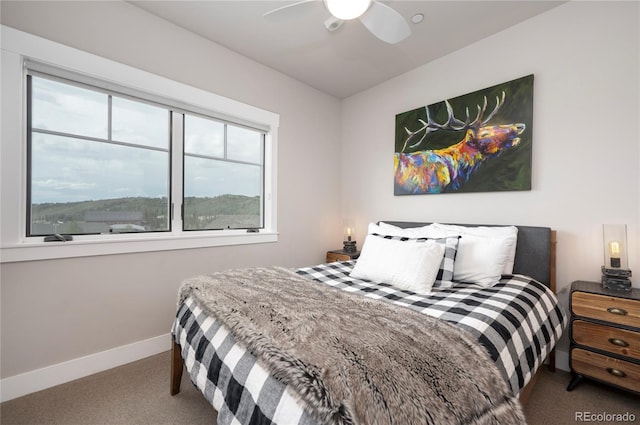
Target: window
125	160
223	175
98	163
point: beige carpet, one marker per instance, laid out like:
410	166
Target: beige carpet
138	393
551	403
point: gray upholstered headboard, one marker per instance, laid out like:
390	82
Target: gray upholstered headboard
535	250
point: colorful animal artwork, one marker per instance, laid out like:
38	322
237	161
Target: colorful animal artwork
459	159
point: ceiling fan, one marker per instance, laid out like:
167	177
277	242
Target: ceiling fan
381	20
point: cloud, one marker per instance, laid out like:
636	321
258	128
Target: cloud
50	184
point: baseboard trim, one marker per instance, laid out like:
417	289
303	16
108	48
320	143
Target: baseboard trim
50	376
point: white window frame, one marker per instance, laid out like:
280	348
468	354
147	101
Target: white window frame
18	47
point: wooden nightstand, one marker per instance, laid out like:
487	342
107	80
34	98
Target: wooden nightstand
605	336
340	255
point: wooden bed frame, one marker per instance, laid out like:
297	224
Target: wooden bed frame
177	364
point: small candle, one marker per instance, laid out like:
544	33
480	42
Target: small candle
614	248
348	233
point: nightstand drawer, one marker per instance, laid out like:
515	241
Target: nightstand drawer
614	340
607	369
610	309
332	256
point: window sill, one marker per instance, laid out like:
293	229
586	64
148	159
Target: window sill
87	247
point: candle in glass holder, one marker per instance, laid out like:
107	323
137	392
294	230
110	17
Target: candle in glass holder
614	248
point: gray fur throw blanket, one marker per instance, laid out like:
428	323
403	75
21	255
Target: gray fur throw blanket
355	360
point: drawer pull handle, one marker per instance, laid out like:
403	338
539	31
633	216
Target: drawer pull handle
619	342
618	311
616	372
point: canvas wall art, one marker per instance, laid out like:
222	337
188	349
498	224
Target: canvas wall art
477	142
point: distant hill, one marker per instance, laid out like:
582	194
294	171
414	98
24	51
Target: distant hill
76	211
152	212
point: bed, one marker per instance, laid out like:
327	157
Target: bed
460	351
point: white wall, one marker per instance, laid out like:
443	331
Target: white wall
585	59
59	310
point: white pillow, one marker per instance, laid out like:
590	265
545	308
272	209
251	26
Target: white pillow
411	232
484	253
508	234
374	228
405	265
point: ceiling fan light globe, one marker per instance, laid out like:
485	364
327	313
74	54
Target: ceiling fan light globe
347	9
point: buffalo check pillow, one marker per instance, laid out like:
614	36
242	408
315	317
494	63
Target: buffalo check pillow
444	276
409	266
484	253
507	235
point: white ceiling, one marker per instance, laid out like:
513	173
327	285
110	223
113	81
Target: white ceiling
350	59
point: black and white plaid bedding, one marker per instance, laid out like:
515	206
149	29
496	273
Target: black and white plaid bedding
517	320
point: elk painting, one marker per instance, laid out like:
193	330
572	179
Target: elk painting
478	142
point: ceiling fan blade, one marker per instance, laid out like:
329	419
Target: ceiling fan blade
289	11
385	23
